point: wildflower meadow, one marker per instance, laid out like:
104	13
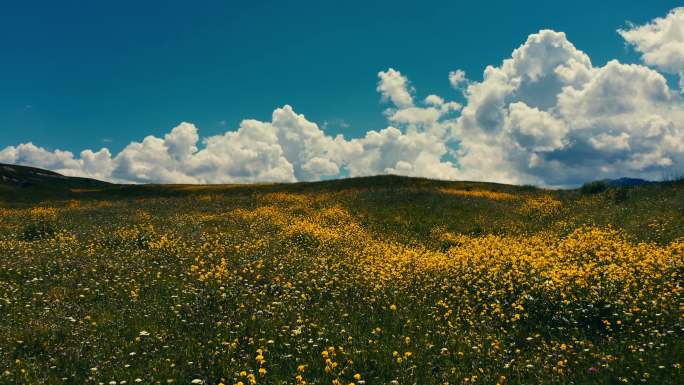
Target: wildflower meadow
382	280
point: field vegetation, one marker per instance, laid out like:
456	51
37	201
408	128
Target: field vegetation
382	280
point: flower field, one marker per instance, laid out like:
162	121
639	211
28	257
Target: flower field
370	281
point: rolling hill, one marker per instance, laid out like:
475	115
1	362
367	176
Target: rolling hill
378	280
17	180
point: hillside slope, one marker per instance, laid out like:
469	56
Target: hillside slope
409	207
23	181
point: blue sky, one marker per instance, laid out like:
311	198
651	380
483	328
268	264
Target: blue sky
79	75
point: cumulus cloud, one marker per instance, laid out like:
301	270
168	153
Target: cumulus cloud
535	130
548	116
181	141
661	42
286	149
394	86
390	151
545	115
457	78
89	164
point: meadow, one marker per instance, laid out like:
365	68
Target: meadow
382	280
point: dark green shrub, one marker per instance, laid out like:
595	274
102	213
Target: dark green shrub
477	230
619	194
38	230
304	241
528	188
594	187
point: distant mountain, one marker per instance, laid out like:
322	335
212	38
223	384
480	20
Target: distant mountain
626	182
16	176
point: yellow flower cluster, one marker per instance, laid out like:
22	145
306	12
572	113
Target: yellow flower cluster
484	194
542	205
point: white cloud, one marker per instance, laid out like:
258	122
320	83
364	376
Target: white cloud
95	164
546	115
149	161
391	151
558	120
90	163
457	78
394	86
286	149
416	116
661	42
181	141
535	130
608	142
434	100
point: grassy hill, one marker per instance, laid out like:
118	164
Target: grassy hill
30	183
374	280
411	206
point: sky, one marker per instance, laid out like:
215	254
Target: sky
260	91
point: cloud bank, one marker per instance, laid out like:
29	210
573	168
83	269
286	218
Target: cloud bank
546	115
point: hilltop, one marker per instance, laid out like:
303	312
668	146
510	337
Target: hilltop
25	180
25	183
